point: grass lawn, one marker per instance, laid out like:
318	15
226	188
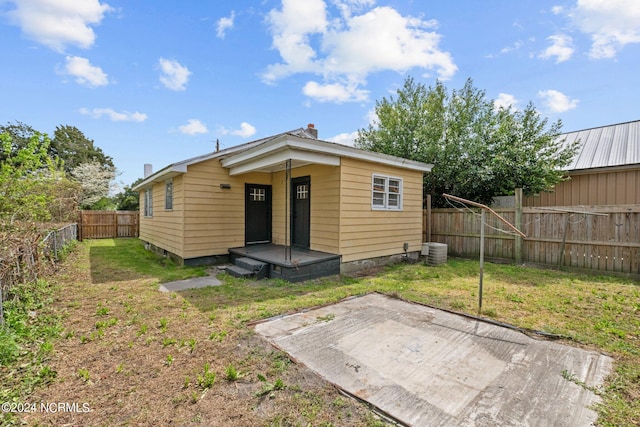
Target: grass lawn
137	356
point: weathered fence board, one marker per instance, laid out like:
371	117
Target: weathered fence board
580	237
108	224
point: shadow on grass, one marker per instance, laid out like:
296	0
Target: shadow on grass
243	292
125	259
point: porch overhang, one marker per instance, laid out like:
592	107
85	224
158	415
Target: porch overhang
272	155
274	161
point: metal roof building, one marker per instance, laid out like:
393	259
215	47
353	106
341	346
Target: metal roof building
605	170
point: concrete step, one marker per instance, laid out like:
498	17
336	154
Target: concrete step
236	271
261	269
250	263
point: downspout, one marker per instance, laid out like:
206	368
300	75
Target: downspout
287	211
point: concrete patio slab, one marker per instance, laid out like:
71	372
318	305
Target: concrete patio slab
427	367
194	282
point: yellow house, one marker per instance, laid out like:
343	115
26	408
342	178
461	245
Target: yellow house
289	206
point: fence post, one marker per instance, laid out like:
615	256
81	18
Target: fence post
518	224
115	221
428	225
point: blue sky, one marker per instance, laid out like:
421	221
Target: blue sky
158	81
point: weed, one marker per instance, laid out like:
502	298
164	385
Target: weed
232	374
280	362
192	344
102	310
47	374
490	312
218	336
186	382
207	378
457	305
329	317
166	342
143	329
119	368
169	360
83	374
514	298
269	388
163	324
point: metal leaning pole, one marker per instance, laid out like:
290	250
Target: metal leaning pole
482	221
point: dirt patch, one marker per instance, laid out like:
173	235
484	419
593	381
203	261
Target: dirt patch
131	355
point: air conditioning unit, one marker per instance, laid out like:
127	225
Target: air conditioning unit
437	253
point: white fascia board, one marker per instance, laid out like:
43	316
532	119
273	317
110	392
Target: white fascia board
276	159
322	147
162	175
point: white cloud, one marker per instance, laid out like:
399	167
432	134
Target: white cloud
345	138
246	130
57	24
174	76
225	24
193	127
349	47
335	92
561	48
85	73
557	101
505	101
113	115
611	24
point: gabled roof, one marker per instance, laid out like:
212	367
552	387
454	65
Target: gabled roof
606	146
268	155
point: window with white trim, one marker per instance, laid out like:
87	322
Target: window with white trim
148	202
258	194
168	195
386	193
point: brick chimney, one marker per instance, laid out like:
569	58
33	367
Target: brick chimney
311	129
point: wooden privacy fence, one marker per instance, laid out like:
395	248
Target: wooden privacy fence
108	224
597	238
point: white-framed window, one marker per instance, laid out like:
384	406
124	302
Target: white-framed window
258	194
386	193
168	195
148	202
302	191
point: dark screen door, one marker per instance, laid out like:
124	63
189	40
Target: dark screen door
257	225
301	211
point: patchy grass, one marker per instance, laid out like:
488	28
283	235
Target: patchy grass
138	356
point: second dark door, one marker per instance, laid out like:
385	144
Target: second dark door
301	211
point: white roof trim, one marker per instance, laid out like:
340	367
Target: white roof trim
298	145
162	175
253	155
274	161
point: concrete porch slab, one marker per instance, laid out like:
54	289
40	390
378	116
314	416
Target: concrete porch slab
423	366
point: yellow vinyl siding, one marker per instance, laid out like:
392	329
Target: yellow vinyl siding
325	202
367	233
165	228
214	217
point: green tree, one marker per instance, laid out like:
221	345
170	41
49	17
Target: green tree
25	175
20	135
71	146
127	199
478	151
